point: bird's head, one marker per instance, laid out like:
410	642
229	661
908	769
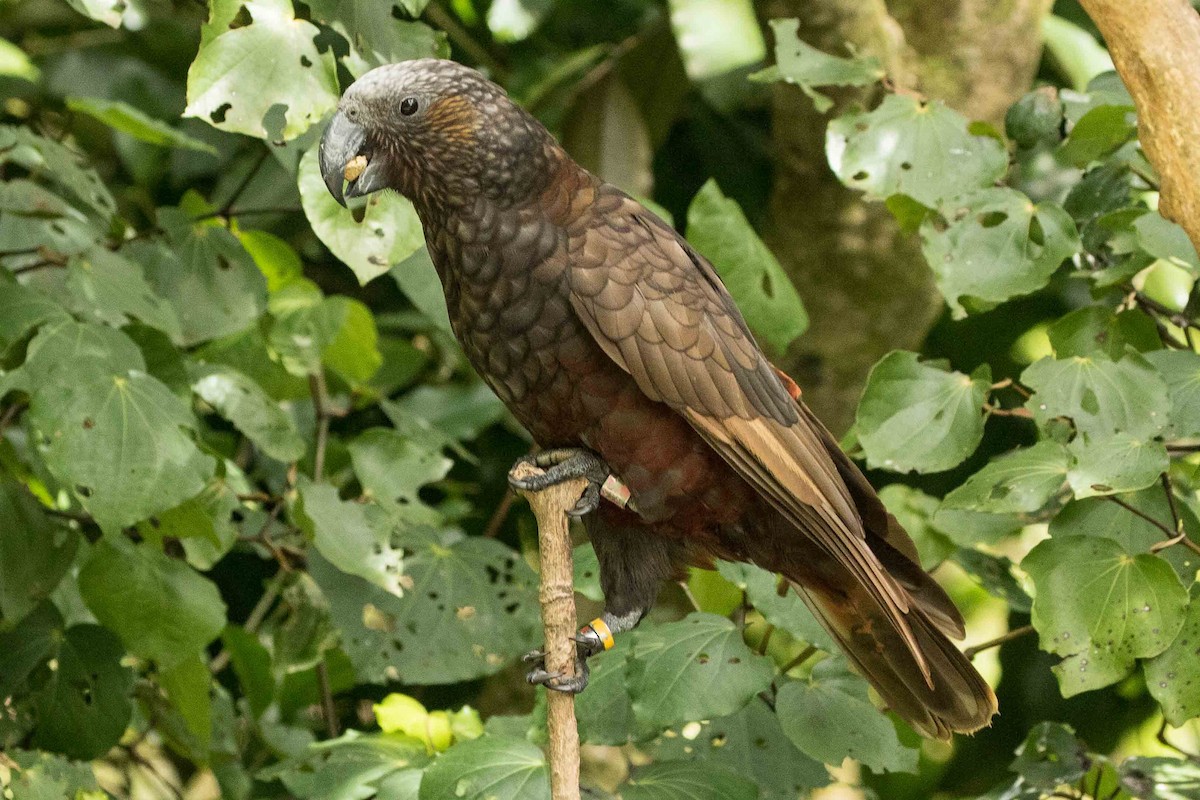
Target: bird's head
435	131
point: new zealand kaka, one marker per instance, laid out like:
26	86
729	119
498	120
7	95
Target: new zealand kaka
617	346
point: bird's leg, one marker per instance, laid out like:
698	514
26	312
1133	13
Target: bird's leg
593	638
564	463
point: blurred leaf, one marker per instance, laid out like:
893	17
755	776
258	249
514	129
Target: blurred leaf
1101	608
1115	464
914	510
44	776
688	781
998	244
274	257
750	743
110	12
377	34
247	406
54	162
251	663
461	412
514	20
1181	371
111	289
1099	395
136	123
470	608
312	330
188	685
605	710
419	281
920	149
35	552
1173	676
696	668
22	309
1036	118
388	233
488	768
350	767
716	36
1161	778
161	608
829	718
1164	239
763	291
272	64
995	575
916	415
31	217
84	707
1023	480
1099	133
1051	756
15	63
800	63
606	134
358	538
1078	55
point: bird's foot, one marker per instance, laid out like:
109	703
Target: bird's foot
563	464
588	642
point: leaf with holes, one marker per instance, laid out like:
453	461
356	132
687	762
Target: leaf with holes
829	718
1018	482
907	146
161	608
1181	371
719	230
919	416
270	65
247	406
1100	608
1099	395
351	767
696	668
996	244
392	469
378	33
388	233
56	163
358	538
800	63
750	743
1115	464
470	608
488	768
700	780
1173	676
35	552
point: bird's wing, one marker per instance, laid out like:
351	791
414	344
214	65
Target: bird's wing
658	309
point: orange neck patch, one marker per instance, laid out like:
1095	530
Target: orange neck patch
455	118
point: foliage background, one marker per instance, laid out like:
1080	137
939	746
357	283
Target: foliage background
255	537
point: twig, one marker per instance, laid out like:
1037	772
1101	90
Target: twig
458	34
496	522
327	708
766	639
997	411
1170	493
1173	538
257	615
244	183
320	397
1139	513
1183	449
1015	633
687	592
805	655
557	597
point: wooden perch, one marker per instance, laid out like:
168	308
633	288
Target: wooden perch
1155	45
557	596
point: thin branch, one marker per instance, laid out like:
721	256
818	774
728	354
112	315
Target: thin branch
1015	633
805	655
320	397
996	411
245	182
1182	449
328	710
766	639
1139	513
459	35
256	617
1169	490
496	522
687	592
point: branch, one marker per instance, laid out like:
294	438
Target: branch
557	597
1155	45
1015	633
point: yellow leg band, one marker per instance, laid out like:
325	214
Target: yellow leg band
603	632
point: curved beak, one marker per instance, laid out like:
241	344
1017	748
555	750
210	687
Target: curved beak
343	160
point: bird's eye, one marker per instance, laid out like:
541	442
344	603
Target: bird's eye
408	106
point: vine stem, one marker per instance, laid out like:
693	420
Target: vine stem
557	597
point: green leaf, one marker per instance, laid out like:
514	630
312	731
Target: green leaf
718	229
1036	118
350	767
470	608
1099	395
787	611
419	281
460	411
188	686
136	123
605	712
1181	371
1115	464
606	133
55	162
274	257
829	718
716	36
338	332
920	149
995	575
1079	56
807	67
205	274
14	62
688	781
26	645
1160	778
244	403
916	415
359	539
514	20
915	512
44	776
1099	133
1051	756
997	244
1173	676
750	743
205	524
388	233
1096	328
1021	481
84	707
251	663
35	552
161	608
375	34
31	217
1164	239
111	289
488	768
1101	608
272	64
696	668
393	468
22	309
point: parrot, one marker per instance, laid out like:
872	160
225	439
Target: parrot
617	346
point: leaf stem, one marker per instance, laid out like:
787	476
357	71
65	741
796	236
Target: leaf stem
1015	633
496	522
328	710
805	655
320	397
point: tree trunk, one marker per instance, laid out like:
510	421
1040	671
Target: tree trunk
865	284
